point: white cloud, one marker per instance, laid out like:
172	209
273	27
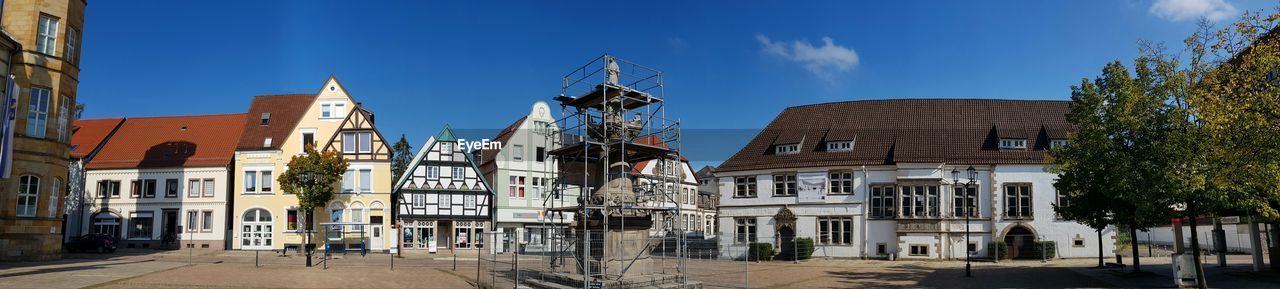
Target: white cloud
823	61
1182	10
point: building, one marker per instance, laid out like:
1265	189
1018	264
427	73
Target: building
88	136
444	201
160	182
873	179
45	66
524	176
708	198
679	179
278	128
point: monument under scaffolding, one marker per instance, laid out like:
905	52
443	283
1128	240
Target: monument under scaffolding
613	117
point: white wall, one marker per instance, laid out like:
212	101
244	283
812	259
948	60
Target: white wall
126	204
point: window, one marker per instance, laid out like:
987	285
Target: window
537	188
28	195
208	188
446	148
207	221
745	187
37	112
1057	143
919	201
882	201
517	152
745	230
835	230
72	44
191	220
357	215
135	189
349	142
882	249
540	154
971	247
419	200
433	173
444	201
140	225
1017	204
255	232
1063	202
784	185
787	149
108	189
106	223
47	39
54	192
264	119
1077	242
366	142
308	138
171	188
965	199
349	182
919	250
64	118
266	181
458	173
511	186
842	183
520	189
840	146
296	220
250	182
1008	143
366	180
332	110
469	202
193	188
266	142
149	188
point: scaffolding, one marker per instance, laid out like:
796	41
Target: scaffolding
613	117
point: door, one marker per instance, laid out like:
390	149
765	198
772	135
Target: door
170	232
375	235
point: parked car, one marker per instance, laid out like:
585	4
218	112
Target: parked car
92	243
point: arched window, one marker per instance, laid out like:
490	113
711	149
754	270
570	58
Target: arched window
256	230
28	195
106	223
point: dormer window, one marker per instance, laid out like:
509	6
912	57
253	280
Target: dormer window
787	149
266	143
840	146
1009	143
266	117
1057	143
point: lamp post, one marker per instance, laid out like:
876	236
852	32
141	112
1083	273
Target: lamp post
308	176
967	211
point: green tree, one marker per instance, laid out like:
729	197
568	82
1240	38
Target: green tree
401	156
313	177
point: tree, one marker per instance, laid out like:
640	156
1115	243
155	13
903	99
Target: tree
401	155
313	178
1083	185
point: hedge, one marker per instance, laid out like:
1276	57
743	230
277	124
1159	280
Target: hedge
760	252
804	247
1000	250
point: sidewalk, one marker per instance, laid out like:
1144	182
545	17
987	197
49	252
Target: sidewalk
78	273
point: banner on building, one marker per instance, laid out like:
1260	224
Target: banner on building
812	187
8	119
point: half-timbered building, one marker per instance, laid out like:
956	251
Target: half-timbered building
444	202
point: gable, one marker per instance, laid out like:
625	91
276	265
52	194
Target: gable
442	166
352	134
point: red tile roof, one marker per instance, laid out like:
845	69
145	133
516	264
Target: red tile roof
88	134
907	130
172	141
286	111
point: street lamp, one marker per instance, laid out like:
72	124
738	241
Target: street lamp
308	176
967	211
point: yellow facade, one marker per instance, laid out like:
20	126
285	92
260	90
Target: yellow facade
371	205
41	156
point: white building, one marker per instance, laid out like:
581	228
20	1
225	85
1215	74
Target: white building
683	188
161	182
523	177
443	201
873	179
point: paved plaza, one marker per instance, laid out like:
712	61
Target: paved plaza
241	269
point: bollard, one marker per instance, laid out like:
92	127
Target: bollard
255	259
455	261
393	261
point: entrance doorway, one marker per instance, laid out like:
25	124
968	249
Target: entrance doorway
169	234
786	241
1020	241
375	233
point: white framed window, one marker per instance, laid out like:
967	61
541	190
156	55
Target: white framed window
28	195
840	146
1017	202
445	201
357	142
108	189
149	188
193	188
419	201
208	188
1057	143
72	44
919	201
266	142
332	110
308	138
192	218
841	183
291	219
745	230
265	187
517	153
140	225
520	188
446	148
458	173
255	232
964	199
64	119
349	182
54	192
366	180
349	142
47	38
206	224
469	202
744	187
366	142
37	112
882	201
537	188
1008	143
919	250
787	149
784	185
511	186
171	188
433	173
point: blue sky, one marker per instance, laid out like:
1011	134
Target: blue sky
727	65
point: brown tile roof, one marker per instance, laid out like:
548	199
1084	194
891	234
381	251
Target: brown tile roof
88	134
489	155
906	130
172	141
286	111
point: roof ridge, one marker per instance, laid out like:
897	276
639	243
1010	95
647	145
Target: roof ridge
285	94
926	99
179	116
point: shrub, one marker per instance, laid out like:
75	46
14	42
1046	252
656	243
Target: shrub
1050	249
997	249
759	252
802	249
